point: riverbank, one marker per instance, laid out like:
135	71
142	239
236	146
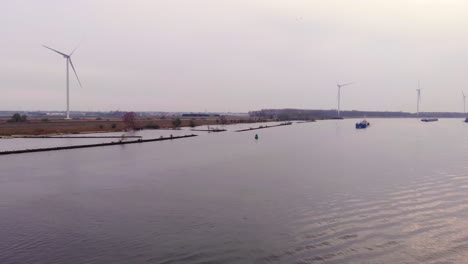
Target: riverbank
37	126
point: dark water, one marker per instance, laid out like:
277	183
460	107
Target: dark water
308	193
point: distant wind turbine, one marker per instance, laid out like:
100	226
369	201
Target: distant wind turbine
419	99
464	102
339	94
68	62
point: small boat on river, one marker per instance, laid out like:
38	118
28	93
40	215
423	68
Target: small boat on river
362	124
430	119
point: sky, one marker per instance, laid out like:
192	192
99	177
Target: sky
234	55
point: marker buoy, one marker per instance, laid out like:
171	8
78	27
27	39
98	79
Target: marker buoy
256	136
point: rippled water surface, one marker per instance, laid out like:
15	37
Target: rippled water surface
321	192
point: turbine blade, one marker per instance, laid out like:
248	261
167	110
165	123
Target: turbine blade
63	54
463	93
73	67
347	84
77	46
71	53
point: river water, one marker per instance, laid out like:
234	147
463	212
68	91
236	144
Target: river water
319	192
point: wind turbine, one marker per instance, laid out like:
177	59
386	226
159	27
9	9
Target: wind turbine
419	99
464	102
68	62
339	94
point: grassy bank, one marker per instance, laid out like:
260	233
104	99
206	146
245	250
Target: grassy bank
41	126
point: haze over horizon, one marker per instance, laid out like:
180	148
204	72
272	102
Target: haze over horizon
235	56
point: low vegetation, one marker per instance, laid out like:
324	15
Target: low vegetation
152	126
17	118
192	123
176	122
41	125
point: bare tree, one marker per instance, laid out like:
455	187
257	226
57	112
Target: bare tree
129	120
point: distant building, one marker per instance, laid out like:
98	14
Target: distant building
55	114
198	115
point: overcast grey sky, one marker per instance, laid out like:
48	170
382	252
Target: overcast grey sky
239	55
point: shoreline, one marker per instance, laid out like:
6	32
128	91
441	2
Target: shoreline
263	127
11	152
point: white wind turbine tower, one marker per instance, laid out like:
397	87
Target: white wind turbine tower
68	62
339	94
464	102
419	99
